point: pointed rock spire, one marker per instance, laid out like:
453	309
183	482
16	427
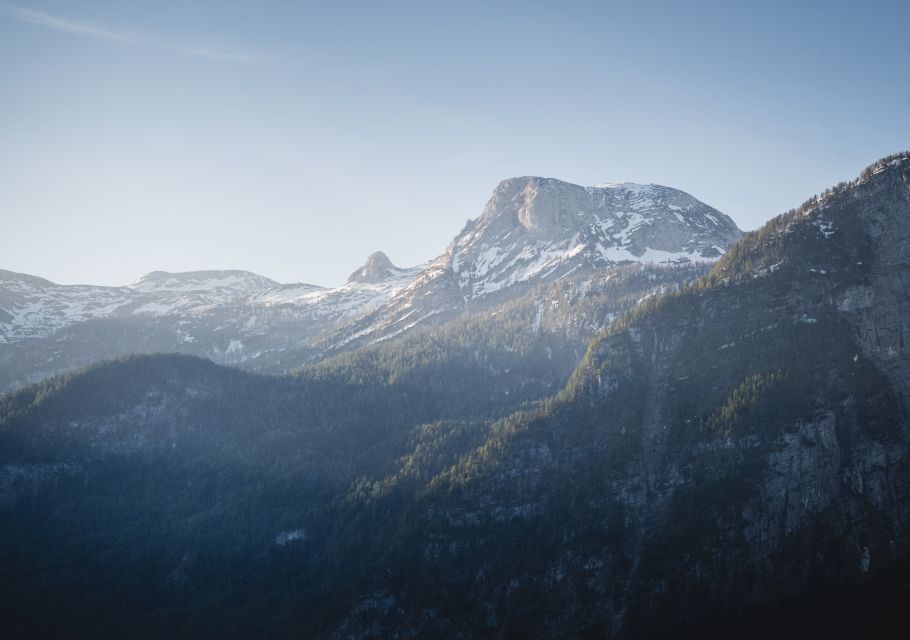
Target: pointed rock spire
377	268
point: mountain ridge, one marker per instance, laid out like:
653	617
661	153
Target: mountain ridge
531	231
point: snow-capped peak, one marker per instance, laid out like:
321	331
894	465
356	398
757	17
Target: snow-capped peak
533	228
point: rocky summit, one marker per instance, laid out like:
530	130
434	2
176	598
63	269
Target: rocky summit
377	268
540	227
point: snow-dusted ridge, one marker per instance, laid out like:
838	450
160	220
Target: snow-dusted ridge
32	307
230	280
532	231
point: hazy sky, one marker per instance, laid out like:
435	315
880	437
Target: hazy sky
293	138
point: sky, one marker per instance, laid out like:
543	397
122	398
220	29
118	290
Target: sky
293	139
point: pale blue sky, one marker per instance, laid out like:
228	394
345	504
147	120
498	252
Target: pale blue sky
293	139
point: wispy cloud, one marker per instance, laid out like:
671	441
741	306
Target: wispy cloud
97	31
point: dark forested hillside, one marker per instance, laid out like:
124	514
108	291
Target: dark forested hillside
730	457
216	442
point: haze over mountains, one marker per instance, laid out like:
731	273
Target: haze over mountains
597	448
533	231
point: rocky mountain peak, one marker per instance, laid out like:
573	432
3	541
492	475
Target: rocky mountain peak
377	268
534	227
543	207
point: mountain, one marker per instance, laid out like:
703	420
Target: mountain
534	228
729	458
737	451
539	230
231	317
533	231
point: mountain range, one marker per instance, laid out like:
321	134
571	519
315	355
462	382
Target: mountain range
532	231
570	441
